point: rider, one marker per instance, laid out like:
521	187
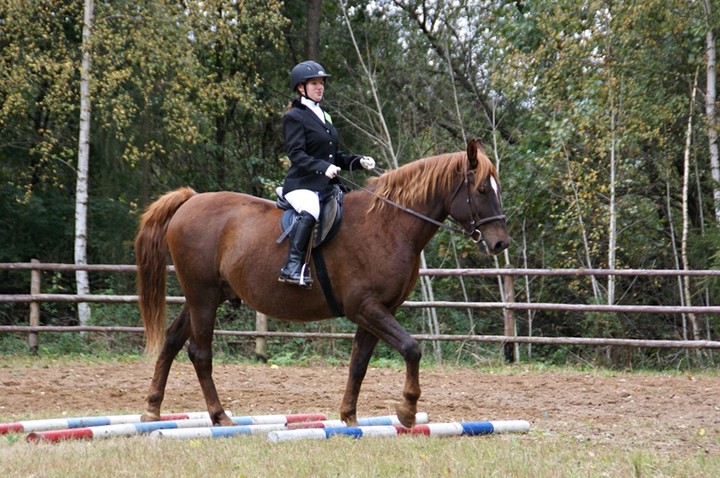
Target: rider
311	142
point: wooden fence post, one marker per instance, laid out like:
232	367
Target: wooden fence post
33	340
261	342
510	349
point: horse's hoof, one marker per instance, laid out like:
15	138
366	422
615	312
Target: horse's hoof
226	422
150	417
221	419
405	415
350	420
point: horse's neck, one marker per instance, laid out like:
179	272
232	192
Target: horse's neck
415	227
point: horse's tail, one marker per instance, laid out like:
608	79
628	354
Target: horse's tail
151	251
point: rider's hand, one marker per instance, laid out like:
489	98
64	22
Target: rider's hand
332	171
367	162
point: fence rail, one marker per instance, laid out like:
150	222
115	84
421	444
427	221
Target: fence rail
510	305
648	309
54	266
500	339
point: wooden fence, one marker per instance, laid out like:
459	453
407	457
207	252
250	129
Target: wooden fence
509	306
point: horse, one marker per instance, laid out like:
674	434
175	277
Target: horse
223	246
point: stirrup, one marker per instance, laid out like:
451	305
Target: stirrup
305	280
301	283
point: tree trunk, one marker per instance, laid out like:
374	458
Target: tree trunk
710	114
431	312
583	231
528	296
81	194
312	30
612	232
686	220
506	284
383	137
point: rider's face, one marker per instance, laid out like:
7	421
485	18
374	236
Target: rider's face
313	89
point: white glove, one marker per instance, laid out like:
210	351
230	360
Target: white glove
332	171
367	162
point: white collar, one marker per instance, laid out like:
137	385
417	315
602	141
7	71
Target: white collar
314	107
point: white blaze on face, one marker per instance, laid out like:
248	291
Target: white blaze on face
494	185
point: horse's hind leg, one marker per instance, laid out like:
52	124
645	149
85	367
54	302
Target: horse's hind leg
362	349
175	337
200	353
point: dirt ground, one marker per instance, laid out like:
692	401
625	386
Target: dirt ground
677	414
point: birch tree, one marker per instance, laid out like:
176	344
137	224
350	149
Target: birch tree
710	99
81	194
685	219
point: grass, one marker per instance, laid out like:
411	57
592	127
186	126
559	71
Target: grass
531	455
535	454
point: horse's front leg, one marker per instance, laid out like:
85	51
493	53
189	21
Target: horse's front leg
407	410
175	337
362	349
378	321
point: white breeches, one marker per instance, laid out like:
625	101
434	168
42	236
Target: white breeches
304	200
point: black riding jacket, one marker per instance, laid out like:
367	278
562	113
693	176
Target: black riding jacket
312	147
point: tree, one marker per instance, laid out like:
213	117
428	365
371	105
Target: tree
583	106
710	99
312	35
81	195
189	97
39	54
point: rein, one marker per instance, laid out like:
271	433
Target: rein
458	230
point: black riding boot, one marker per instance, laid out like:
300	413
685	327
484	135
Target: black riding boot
293	272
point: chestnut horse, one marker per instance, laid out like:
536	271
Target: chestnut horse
223	245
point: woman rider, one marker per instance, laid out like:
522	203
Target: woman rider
311	142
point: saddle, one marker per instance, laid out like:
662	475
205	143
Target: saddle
325	227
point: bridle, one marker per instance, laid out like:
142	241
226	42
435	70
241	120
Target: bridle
471	231
476	221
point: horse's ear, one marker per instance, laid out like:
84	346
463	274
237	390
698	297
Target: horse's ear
472	152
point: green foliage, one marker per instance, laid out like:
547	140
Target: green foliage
193	94
35	226
13	344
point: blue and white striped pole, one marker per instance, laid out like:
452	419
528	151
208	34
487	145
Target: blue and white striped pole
104	431
430	429
84	422
218	432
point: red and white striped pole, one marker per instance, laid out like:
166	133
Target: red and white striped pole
125	429
219	432
84	422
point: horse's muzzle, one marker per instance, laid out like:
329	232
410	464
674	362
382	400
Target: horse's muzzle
494	242
497	247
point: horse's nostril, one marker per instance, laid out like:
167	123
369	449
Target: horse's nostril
500	246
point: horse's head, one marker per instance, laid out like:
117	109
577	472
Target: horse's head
476	204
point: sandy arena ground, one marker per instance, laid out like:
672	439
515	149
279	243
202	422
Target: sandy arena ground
677	414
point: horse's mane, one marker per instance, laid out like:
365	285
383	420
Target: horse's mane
416	182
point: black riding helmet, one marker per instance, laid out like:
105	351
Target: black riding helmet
304	71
